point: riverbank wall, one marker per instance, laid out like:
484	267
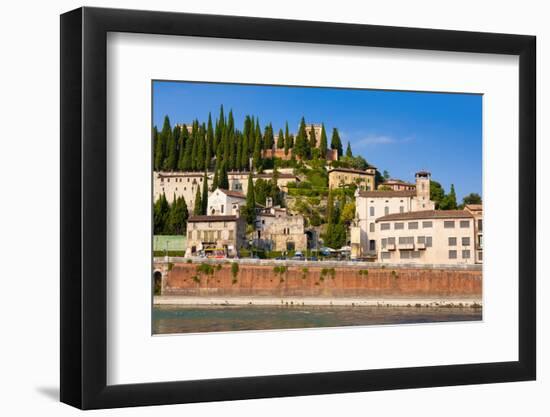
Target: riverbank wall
279	281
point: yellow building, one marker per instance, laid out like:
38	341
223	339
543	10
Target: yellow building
365	180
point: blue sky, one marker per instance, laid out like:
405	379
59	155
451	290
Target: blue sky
398	131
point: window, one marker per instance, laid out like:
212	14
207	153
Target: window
465	241
385	226
480	225
421	239
371	227
415	254
371	211
401	209
384	243
222	208
391	241
449	224
480	256
452	241
231	235
404	254
219	234
386	211
406	240
427	224
466	254
452	254
428	241
464	224
399	226
372	245
385	255
413	225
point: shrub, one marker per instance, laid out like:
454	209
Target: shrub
305	271
189	261
205	269
170	266
328	271
179	253
234	269
196	278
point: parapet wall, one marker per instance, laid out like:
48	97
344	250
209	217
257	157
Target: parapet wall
316	281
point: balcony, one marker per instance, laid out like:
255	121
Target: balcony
390	246
405	246
421	246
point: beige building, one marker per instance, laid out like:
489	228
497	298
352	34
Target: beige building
370	205
278	230
427	237
179	184
396	185
476	210
339	177
185	184
225	233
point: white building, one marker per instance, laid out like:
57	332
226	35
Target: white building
370	205
225	202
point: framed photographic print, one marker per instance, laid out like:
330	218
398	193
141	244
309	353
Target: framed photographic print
257	208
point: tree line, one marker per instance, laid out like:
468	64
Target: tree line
220	146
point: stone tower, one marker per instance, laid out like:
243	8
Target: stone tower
423	185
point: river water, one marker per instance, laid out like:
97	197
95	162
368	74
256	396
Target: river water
193	319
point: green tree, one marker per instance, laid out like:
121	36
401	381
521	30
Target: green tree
197	208
177	219
312	138
161	210
472	198
245	161
336	143
437	193
204	199
257	157
301	147
386	175
224	179
349	153
215	180
449	202
183	140
280	140
158	150
323	143
250	207
288	145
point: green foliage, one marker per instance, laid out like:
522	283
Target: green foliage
197	208
161	211
349	153
204	198
206	269
196	278
336	143
159	253
437	193
472	198
363	272
234	269
328	272
250	207
281	269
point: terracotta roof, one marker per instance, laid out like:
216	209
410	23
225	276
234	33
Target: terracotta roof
215	218
388	193
475	207
396	181
230	193
426	214
351	170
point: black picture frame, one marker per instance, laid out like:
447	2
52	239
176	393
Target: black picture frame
84	207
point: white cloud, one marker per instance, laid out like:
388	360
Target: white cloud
381	140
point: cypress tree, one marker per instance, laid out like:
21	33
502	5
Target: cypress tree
161	210
323	143
250	208
312	138
301	147
204	194
197	208
244	154
239	152
158	150
349	154
194	151
184	136
287	139
280	140
257	157
201	150
336	143
224	180
188	154
215	181
230	122
268	137
231	156
275	192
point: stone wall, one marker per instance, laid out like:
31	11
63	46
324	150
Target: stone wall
295	281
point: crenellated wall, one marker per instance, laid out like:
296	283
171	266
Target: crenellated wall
260	281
